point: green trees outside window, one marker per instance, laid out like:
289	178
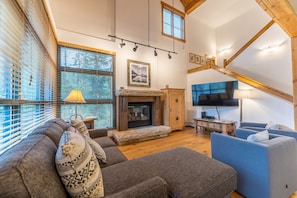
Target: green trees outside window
92	73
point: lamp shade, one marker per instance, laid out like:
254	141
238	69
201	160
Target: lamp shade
242	93
75	96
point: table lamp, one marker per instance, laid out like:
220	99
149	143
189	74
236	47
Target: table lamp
75	96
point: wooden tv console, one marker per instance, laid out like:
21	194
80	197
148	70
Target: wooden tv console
224	126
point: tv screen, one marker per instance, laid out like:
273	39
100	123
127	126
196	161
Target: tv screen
214	94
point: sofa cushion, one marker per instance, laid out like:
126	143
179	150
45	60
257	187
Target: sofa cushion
187	173
258	137
80	126
113	156
50	129
78	167
28	169
153	187
104	142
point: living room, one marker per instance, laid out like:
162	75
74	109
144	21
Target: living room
267	60
270	67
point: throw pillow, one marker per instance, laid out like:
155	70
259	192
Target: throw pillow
80	126
270	125
78	167
99	152
258	137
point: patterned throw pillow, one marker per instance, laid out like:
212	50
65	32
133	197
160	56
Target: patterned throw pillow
80	126
78	167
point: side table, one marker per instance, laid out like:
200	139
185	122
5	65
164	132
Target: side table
89	122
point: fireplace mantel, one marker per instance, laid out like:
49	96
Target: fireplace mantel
124	96
138	92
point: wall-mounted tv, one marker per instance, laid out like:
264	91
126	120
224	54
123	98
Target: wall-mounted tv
214	94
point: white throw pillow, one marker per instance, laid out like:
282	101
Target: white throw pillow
270	125
78	167
258	137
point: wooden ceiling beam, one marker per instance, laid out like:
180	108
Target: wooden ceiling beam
261	86
191	5
282	12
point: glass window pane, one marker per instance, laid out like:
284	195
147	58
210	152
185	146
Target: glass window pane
103	112
77	58
92	86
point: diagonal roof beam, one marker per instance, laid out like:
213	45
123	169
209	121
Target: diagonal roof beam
246	80
282	12
191	5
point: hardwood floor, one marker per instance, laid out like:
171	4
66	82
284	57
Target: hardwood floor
188	138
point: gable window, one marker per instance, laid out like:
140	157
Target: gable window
92	72
173	22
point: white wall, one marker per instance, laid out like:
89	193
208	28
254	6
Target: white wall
269	67
137	24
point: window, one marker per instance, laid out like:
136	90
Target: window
27	72
91	72
173	22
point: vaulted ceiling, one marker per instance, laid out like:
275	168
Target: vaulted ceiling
283	12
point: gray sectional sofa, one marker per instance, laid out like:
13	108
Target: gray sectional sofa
28	170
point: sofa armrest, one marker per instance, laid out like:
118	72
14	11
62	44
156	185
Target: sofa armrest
95	133
153	187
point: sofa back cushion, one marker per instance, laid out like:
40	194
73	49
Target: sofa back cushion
53	129
28	170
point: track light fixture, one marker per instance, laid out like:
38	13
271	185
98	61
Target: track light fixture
135	48
122	44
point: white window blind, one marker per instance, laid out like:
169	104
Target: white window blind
27	72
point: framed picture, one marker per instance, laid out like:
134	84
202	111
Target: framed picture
197	59
191	58
139	74
202	60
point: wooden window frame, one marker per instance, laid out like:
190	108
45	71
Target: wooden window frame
177	12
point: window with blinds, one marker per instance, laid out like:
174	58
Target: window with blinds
92	72
27	72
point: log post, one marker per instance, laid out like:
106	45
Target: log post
294	77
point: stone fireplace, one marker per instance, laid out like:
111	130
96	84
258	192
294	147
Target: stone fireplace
137	108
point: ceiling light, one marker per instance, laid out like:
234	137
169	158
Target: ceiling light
155	52
135	48
122	44
271	47
169	56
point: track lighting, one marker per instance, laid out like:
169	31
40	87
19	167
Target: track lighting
169	56
122	44
135	48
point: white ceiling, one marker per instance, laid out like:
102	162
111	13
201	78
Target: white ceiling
218	12
85	13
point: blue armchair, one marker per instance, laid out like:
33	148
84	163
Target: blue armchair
266	169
